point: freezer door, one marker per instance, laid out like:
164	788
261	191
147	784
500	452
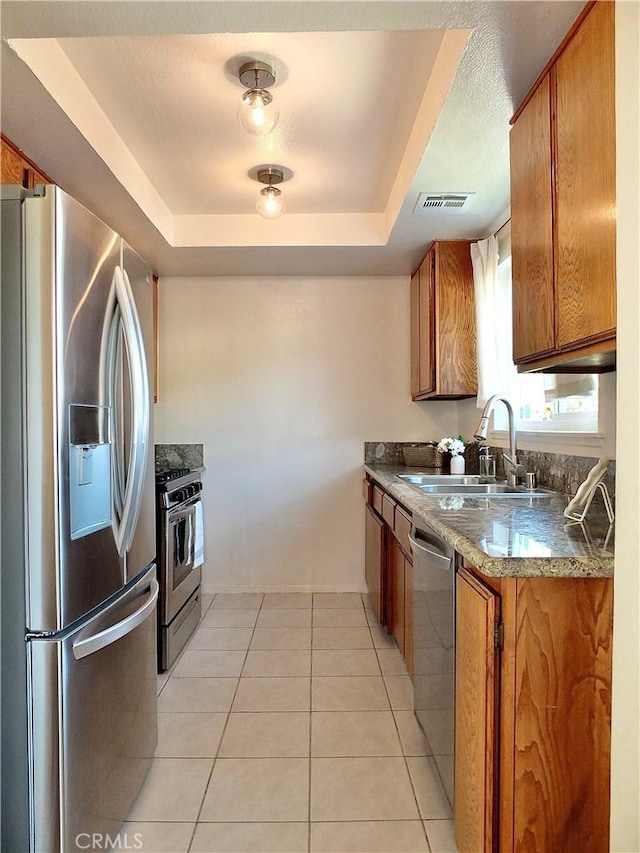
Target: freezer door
95	725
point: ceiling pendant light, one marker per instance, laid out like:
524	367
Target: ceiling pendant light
257	113
270	203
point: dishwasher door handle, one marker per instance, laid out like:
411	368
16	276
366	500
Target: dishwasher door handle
434	557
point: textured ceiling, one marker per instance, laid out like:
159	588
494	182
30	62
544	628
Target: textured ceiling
135	115
347	103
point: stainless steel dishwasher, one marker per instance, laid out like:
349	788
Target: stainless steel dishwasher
434	644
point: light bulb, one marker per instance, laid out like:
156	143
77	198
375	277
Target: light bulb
257	113
270	203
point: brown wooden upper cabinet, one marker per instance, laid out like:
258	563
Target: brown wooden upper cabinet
443	324
17	168
563	225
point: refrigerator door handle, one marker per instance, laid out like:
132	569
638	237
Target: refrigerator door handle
122	318
140	405
84	647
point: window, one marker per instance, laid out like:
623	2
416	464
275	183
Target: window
545	401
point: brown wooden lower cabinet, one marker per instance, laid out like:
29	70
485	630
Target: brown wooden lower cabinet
408	615
388	567
533	713
400	621
397	598
374	563
477	612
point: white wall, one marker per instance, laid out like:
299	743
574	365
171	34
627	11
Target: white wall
283	379
625	758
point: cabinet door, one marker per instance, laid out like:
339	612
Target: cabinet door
476	754
424	349
585	193
415	333
408	614
397	594
16	169
455	320
531	228
374	562
562	714
12	166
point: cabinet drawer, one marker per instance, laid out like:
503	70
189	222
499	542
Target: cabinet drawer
388	510
402	529
376	499
366	491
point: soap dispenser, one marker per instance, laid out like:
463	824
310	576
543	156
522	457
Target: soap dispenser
487	464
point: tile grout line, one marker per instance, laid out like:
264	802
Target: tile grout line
309	840
226	723
404	756
213	763
204	793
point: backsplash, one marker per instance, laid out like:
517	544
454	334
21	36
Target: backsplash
558	471
415	454
179	456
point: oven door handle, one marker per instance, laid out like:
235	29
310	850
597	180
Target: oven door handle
174	517
191	545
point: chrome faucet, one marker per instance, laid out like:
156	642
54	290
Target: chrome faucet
513	469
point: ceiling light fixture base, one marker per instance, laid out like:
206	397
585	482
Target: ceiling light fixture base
270	175
256	75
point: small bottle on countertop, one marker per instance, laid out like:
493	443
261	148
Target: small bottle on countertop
487	464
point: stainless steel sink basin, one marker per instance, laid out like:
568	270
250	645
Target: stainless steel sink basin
470	485
487	490
442	479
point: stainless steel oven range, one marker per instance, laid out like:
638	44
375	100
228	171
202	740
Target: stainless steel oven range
180	555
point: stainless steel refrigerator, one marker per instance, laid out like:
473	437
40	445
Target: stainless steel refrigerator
78	584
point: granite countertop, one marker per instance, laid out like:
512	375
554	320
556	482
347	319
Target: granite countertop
510	537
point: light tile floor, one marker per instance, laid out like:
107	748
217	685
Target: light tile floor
287	725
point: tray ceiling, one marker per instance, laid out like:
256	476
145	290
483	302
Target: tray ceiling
374	109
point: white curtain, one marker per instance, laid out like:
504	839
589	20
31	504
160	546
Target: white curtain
496	371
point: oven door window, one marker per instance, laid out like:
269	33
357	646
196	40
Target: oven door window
182	542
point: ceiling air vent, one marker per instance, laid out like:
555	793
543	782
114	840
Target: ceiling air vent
443	203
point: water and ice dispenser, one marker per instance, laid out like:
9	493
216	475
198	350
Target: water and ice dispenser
89	469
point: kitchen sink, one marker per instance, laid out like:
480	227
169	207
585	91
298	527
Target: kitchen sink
485	490
442	479
470	485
